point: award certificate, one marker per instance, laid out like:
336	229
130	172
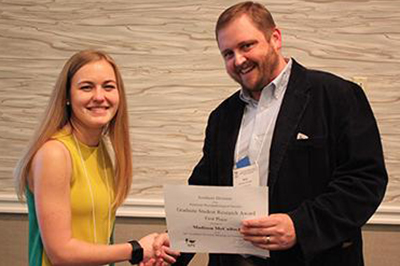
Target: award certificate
207	218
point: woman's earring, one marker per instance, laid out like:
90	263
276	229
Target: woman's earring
68	103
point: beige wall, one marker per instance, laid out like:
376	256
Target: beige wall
381	243
174	74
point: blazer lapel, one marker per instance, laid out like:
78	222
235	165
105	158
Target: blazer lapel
293	105
229	135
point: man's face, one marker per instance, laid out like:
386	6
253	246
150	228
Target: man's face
250	59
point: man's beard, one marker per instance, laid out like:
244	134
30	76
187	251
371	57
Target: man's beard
266	70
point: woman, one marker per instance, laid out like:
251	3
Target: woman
72	186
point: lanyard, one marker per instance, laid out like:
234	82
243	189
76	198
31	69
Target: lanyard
91	191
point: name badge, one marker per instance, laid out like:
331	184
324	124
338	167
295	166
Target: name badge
246	175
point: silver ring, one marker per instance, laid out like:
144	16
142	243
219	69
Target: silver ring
267	239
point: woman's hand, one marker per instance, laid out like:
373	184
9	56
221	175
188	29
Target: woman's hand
164	254
147	244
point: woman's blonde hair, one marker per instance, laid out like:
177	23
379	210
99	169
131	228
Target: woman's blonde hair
58	114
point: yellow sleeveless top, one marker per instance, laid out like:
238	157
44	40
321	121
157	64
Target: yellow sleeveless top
86	224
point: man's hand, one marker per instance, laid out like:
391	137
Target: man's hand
273	232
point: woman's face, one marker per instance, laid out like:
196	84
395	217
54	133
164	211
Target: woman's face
94	95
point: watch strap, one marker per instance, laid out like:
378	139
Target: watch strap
137	252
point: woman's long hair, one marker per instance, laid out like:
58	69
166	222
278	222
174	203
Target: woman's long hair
58	114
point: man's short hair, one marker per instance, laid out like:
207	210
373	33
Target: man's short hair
259	15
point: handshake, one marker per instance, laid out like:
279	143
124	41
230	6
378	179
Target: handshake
156	250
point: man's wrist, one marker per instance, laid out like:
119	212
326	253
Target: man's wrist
137	252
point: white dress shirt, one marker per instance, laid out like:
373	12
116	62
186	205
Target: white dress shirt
258	123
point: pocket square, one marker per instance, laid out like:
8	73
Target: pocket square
301	136
347	244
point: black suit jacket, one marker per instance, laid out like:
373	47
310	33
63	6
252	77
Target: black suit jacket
329	184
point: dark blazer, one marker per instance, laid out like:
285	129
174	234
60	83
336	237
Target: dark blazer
329	184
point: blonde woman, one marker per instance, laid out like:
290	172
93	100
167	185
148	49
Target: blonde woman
67	175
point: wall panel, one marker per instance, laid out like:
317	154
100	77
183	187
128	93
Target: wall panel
174	74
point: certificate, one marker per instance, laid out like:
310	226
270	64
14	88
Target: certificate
207	218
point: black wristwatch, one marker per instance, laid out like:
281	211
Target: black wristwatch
137	252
